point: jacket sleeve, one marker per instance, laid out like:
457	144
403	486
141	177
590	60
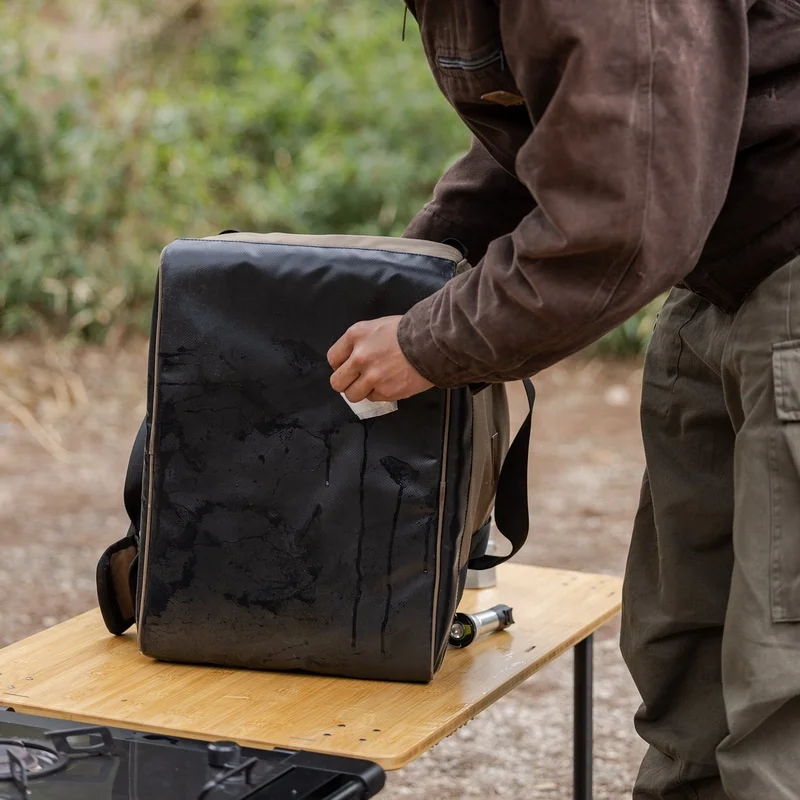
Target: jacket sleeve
476	201
637	108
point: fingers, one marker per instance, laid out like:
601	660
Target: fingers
343	378
339	357
341	350
366	357
359	389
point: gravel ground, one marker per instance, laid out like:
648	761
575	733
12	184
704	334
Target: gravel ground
67	420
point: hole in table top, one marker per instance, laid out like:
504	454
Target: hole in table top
362	740
376	730
341	725
327	734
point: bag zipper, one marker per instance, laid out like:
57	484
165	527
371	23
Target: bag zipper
148	536
442	497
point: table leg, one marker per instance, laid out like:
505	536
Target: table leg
582	734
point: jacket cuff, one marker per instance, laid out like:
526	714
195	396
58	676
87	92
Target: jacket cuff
422	352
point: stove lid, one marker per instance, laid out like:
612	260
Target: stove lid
117	764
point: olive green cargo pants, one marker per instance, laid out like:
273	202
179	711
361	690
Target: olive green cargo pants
711	605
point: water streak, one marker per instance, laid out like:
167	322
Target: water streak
361	534
389	570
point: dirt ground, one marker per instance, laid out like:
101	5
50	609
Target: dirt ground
67	420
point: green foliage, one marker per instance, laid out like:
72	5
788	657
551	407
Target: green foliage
259	115
632	337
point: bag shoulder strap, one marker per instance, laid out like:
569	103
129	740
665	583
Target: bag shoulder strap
511	496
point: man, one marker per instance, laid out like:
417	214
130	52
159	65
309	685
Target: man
622	147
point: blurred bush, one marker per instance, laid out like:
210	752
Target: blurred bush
632	337
293	115
263	115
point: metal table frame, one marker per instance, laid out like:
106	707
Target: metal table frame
582	720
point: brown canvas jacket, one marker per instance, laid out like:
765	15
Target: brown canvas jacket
620	147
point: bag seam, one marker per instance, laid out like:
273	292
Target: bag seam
319	247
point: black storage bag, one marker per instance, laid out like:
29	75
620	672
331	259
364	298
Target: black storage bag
272	528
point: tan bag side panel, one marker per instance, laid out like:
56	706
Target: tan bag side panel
390	244
491	430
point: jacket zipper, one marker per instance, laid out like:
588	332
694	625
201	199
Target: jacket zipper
471	64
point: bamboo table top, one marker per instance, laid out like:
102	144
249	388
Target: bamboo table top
77	671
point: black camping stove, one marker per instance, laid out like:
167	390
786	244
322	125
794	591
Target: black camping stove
43	759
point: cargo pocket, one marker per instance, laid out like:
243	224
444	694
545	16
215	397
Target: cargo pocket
784	466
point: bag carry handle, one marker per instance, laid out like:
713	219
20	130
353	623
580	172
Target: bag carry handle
116	571
511	496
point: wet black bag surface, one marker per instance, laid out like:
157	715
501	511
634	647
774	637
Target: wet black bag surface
277	530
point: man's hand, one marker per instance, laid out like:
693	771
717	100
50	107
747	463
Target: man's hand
368	363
